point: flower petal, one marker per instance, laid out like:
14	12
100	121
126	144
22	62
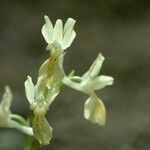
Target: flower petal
52	69
6	99
69	24
29	89
58	31
94	111
68	40
69	33
101	81
94	69
47	30
51	95
40	88
41	129
44	68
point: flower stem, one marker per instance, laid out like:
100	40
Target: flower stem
30	143
23	128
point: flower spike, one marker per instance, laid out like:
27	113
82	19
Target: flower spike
94	108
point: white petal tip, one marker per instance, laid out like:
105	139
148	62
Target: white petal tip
100	56
7	88
46	17
59	20
28	76
111	81
108	80
71	19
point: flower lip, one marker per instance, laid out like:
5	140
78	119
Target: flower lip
94	110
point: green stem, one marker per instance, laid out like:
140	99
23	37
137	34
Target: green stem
30	143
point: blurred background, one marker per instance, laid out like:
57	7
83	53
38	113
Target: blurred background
120	30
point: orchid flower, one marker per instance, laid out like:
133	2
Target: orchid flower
8	119
40	99
94	109
51	76
58	37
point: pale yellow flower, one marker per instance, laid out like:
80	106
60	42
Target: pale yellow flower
40	99
8	119
58	36
94	109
